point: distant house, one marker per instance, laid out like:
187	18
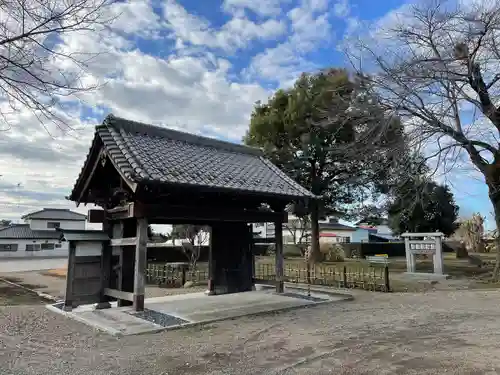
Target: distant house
333	231
380	225
363	234
330	230
370	231
38	236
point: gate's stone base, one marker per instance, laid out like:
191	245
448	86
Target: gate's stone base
193	309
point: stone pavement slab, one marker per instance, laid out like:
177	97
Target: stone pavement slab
172	312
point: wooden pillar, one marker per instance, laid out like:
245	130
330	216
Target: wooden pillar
211	265
278	233
140	264
251	253
106	260
70	276
118	232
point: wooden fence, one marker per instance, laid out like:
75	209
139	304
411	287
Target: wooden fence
373	278
169	276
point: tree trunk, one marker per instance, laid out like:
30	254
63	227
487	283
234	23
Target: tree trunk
315	253
495	200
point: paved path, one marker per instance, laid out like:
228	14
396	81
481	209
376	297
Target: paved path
21	265
435	333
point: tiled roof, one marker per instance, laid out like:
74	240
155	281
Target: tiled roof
55	214
335	226
23	231
146	153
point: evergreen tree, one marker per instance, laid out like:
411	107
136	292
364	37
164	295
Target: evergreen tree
423	207
325	133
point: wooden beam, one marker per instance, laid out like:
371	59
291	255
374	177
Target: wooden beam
121	212
130	241
165	213
118	294
96	216
140	264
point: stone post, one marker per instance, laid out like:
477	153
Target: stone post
438	255
410	258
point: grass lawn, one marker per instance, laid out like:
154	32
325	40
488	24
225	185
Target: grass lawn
11	295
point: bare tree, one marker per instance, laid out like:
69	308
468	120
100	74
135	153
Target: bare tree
194	237
37	69
300	231
437	69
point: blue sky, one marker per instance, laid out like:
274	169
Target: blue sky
193	65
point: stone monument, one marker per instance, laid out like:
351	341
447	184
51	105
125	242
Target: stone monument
428	244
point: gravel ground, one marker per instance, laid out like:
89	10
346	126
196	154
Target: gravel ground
435	333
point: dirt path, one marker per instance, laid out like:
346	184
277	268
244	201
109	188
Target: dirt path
435	333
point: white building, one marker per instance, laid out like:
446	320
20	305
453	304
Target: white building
330	230
38	237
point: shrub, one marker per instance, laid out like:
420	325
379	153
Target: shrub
332	252
336	253
324	247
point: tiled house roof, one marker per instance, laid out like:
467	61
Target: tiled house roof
335	226
24	232
150	154
55	214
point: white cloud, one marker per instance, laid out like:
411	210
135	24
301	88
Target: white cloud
136	18
342	8
262	8
311	28
235	34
